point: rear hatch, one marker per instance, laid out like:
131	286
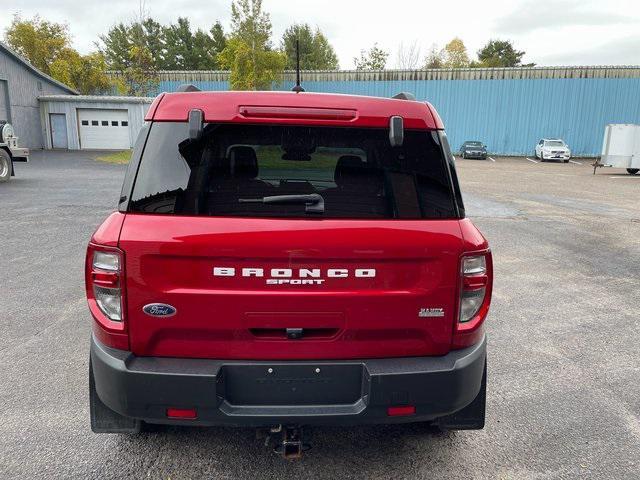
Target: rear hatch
274	242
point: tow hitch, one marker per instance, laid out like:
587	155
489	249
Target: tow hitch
288	441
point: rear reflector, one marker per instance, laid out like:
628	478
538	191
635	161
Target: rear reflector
403	411
298	113
184	413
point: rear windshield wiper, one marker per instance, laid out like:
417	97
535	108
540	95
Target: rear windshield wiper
314	203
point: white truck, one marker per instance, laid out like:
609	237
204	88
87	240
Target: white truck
621	147
10	151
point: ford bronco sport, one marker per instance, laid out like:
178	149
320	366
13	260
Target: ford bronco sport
287	259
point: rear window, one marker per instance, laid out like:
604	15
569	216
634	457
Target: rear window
285	171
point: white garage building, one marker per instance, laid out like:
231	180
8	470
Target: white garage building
80	122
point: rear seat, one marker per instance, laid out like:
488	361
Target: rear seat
359	190
237	177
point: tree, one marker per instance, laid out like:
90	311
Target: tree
434	58
500	53
145	33
250	24
180	51
139	78
38	41
218	40
47	46
137	50
373	59
408	56
248	53
188	50
316	53
85	73
251	70
115	46
172	47
150	34
455	54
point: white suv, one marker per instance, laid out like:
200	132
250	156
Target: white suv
552	149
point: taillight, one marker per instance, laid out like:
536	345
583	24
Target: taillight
476	273
105	276
474	286
105	293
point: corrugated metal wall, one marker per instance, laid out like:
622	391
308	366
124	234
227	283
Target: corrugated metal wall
510	116
507	108
24	87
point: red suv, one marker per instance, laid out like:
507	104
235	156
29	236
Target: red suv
287	259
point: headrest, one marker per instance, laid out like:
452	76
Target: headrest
349	169
243	162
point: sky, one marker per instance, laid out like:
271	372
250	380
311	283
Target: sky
560	32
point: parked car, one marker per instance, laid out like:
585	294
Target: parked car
218	298
552	149
10	151
473	149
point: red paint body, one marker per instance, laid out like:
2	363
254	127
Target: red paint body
170	259
221	107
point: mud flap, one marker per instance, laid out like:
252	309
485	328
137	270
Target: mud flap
105	420
470	417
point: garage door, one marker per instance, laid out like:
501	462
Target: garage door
104	129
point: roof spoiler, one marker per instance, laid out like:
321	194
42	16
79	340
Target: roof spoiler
404	96
188	87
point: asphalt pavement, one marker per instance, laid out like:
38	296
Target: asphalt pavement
564	341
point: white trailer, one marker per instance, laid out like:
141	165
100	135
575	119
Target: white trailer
621	147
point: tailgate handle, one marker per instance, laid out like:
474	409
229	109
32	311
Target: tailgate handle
295	333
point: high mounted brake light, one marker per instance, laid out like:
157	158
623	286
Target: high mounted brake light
298	113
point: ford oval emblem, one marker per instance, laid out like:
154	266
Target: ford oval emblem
159	310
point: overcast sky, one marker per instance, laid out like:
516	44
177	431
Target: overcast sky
561	32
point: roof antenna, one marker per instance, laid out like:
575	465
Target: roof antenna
298	88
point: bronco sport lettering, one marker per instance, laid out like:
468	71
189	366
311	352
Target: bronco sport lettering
305	276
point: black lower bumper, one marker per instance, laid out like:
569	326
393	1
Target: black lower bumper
259	393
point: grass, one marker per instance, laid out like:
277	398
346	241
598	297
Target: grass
270	158
121	158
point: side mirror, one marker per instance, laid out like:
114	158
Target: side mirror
396	131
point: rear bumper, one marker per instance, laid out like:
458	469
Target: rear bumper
554	156
475	155
19	154
144	387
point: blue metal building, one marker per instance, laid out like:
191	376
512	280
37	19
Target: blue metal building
509	109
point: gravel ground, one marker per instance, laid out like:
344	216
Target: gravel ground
564	330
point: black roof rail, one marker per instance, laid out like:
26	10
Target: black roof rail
404	96
188	87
